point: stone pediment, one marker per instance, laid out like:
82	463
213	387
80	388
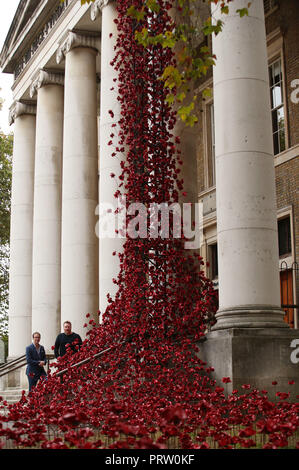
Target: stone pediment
29	17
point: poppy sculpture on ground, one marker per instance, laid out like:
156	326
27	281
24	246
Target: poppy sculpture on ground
150	389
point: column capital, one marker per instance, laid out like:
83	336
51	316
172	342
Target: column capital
45	78
73	40
96	8
18	109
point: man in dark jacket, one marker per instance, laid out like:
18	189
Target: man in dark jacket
66	339
36	360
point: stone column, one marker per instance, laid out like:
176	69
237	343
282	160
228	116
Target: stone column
79	255
47	206
249	293
108	264
20	274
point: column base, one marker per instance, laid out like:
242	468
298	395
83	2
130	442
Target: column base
250	317
255	356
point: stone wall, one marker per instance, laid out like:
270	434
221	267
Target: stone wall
2	352
287	177
286	18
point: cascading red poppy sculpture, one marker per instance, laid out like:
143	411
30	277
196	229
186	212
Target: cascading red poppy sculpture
150	386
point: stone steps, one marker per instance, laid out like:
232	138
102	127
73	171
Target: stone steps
12	394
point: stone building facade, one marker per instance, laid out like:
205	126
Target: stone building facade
60	56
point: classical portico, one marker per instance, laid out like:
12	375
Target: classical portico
55	267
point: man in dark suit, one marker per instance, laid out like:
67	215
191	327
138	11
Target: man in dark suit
36	360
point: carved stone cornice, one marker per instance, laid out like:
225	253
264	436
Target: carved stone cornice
97	7
45	78
18	109
73	40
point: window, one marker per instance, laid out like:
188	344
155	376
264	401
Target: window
277	106
213	256
211	144
284	237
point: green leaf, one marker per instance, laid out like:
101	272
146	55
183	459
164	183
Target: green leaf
169	40
207	93
242	12
181	96
137	14
209	28
172	77
191	120
142	37
167	72
204	50
185	111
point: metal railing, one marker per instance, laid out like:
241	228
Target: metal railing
19	362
